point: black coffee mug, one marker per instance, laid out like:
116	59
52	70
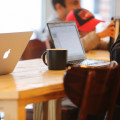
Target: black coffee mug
56	59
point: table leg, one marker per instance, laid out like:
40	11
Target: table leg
13	110
38	111
58	109
45	111
52	110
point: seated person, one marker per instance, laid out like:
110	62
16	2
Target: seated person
115	56
62	8
86	23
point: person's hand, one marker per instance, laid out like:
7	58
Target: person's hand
108	32
113	63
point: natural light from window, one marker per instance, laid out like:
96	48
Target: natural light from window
20	15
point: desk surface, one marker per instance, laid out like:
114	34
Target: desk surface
99	55
32	78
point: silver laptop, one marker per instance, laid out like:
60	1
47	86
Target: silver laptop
12	46
65	35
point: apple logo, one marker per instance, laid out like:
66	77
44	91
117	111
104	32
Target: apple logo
6	54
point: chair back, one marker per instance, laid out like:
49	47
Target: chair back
34	49
93	90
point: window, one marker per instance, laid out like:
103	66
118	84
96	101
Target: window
88	4
101	9
20	15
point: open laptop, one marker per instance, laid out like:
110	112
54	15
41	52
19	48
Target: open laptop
65	35
12	46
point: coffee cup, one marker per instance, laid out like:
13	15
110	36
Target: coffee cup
55	59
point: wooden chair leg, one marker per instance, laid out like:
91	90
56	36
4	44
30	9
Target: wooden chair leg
58	109
45	110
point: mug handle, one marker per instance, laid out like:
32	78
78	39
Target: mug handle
43	57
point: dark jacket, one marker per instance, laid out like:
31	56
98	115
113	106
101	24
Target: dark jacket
115	51
115	55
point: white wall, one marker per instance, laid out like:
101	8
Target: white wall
117	8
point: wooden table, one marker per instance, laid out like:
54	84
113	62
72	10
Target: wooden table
98	55
31	82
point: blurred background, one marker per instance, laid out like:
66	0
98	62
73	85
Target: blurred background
22	15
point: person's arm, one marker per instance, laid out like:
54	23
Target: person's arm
113	63
47	43
45	37
108	32
90	41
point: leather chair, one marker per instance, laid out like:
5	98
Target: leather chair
34	49
93	90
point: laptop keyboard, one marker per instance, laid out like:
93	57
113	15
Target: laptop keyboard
75	62
90	62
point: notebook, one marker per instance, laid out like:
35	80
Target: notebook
65	35
12	46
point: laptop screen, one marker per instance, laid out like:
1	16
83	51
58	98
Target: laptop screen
65	36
